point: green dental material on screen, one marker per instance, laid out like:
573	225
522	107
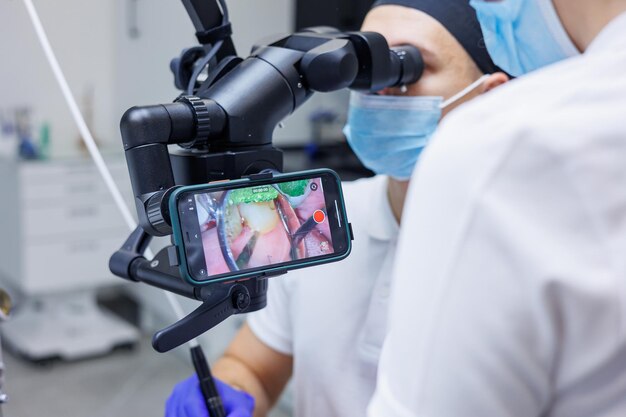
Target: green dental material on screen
294	188
249	195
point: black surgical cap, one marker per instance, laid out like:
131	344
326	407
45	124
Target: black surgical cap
459	18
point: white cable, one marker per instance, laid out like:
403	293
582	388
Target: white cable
90	142
465	91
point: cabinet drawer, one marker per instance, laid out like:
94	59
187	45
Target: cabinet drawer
57	170
61	188
69	265
42	220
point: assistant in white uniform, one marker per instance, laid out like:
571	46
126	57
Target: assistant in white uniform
332	318
509	295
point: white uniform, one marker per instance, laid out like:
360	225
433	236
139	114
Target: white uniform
509	295
332	318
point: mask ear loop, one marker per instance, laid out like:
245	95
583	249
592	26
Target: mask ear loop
464	92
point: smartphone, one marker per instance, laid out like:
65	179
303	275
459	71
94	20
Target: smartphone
263	225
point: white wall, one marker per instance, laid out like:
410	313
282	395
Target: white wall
142	75
80	33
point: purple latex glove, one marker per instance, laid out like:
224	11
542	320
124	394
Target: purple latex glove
187	401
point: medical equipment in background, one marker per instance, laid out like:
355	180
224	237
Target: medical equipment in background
57	265
59	226
223	124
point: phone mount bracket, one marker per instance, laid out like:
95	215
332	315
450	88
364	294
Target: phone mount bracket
219	301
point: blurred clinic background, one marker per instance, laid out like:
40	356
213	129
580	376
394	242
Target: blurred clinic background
77	341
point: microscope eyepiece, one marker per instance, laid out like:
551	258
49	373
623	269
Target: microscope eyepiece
380	66
407	63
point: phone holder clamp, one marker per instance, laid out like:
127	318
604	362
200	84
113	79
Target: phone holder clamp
219	301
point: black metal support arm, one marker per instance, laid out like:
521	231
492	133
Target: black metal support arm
220	302
207	18
146	133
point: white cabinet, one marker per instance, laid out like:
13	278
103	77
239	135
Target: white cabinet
58	224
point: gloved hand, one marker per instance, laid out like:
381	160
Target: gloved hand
186	400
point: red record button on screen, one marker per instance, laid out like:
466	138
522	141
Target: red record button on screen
319	216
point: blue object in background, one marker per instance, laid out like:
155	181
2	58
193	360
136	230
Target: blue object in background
8	125
27	149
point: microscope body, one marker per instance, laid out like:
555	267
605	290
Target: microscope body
224	131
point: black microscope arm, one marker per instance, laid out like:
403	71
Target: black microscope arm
146	133
207	18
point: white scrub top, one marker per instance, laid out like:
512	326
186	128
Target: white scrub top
509	294
332	318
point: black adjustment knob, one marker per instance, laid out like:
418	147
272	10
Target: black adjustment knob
407	64
202	119
331	66
241	300
157	212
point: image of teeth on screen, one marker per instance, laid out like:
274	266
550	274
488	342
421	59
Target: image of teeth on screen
263	225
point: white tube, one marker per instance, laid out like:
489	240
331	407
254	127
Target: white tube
92	147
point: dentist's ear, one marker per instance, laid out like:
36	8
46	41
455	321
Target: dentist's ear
494	80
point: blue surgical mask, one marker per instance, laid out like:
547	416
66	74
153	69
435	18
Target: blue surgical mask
388	133
523	35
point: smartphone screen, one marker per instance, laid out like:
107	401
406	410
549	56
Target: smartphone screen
234	231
